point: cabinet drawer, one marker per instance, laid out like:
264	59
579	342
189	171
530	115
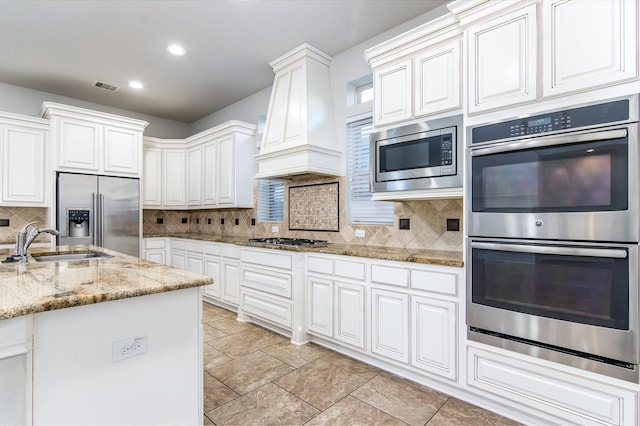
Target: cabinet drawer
231	251
267	308
177	244
567	396
353	270
195	246
435	281
268	281
273	260
390	275
15	336
154	243
212	249
320	264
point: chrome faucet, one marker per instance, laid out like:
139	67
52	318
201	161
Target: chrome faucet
23	242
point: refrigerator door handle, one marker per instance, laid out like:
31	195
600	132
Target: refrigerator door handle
101	220
94	230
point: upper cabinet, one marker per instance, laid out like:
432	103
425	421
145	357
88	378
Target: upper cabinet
212	169
585	45
417	74
300	133
92	142
24	151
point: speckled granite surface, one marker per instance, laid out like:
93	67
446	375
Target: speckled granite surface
35	287
433	257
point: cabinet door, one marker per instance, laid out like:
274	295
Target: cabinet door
433	335
178	259
503	61
157	256
392	93
350	314
588	44
152	178
437	80
210	179
78	145
173	182
121	150
390	328
23	165
195	263
212	269
194	176
320	306
231	282
225	174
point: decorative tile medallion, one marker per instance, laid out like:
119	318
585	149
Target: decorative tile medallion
314	207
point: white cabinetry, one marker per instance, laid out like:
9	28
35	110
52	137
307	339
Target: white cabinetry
433	334
572	398
417	74
211	169
24	160
585	45
390	324
177	253
194	257
15	370
212	261
230	276
155	250
92	142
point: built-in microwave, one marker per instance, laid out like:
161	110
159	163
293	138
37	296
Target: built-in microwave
424	155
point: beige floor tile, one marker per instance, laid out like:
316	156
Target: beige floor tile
353	412
211	333
208	307
267	405
408	401
320	383
215	392
459	413
352	366
230	325
212	356
249	372
245	342
294	355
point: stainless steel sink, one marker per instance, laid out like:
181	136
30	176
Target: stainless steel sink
65	257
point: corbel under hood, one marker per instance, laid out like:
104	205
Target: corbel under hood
300	134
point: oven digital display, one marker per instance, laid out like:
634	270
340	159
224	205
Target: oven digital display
539	122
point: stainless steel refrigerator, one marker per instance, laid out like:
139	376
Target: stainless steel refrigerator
99	210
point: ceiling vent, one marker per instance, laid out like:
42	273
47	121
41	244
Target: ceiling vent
105	86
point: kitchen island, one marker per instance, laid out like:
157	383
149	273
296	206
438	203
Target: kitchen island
110	340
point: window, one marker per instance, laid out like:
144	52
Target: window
270	201
364	93
361	209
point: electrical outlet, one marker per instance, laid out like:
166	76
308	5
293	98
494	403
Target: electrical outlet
274	228
128	348
360	233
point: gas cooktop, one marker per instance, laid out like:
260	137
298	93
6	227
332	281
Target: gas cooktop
293	242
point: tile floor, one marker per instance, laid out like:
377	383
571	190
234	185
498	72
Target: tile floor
255	377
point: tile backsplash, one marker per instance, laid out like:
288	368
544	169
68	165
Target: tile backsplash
428	219
18	217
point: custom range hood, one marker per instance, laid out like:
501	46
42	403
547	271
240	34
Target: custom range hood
300	135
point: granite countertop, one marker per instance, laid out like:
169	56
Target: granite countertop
32	287
433	257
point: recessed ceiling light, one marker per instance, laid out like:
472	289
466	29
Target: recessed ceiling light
136	84
176	49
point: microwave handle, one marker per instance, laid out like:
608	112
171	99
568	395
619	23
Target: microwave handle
568	251
585	136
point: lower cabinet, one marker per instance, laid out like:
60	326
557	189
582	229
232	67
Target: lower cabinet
390	324
155	250
573	398
16	356
350	314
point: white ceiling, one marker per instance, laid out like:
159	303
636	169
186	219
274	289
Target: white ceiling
62	46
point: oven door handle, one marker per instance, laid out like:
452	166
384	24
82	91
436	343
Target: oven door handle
551	140
567	251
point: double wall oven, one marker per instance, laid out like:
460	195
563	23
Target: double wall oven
553	230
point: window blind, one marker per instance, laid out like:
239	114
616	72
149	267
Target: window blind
270	201
361	209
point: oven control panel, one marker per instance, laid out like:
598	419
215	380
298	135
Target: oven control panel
553	121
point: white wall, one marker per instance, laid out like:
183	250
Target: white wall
20	100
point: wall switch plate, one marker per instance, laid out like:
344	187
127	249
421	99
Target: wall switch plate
403	224
208	221
274	228
185	220
453	224
159	221
128	348
253	221
4	222
360	233
197	220
236	221
222	221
